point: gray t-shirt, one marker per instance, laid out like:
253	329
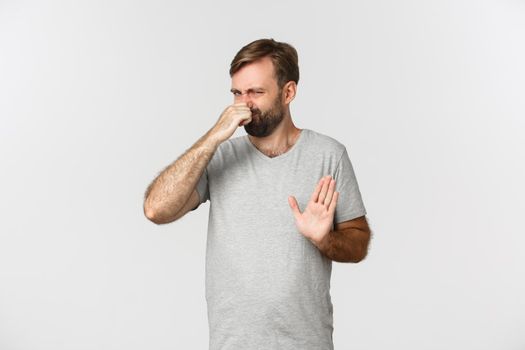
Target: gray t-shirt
268	286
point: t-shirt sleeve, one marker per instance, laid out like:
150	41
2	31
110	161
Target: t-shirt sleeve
349	204
202	188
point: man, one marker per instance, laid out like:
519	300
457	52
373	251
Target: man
276	221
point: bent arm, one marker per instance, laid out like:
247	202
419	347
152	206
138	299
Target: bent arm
171	194
348	242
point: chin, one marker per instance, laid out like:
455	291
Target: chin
257	133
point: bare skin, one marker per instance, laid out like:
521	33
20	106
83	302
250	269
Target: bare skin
256	85
316	220
172	194
348	242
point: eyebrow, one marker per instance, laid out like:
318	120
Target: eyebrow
250	89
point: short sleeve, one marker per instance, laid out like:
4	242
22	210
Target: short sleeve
202	188
349	204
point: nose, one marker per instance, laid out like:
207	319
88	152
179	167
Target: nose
246	99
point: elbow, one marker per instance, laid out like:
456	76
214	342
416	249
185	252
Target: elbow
357	258
159	216
360	253
152	215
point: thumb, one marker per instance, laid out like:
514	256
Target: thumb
295	207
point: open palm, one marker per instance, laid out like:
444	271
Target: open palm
315	222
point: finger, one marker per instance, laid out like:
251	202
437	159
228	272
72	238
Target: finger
324	189
245	121
295	207
242	110
243	106
244	114
315	195
330	193
333	203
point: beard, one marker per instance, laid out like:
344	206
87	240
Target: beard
264	123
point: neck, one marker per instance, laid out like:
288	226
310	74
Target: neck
280	141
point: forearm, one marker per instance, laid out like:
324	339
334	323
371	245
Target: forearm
168	193
349	245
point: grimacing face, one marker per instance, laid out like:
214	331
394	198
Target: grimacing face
255	84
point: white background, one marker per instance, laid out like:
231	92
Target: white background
97	97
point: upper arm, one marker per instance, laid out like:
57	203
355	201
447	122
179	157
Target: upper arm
192	204
358	233
359	223
198	195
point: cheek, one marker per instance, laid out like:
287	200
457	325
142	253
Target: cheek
263	105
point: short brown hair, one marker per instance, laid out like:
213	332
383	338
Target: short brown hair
283	55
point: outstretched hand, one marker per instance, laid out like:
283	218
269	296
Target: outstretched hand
315	222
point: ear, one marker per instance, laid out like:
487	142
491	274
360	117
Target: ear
289	91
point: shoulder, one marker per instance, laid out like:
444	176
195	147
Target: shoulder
231	145
229	151
325	143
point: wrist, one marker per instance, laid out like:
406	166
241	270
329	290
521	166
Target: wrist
320	242
210	140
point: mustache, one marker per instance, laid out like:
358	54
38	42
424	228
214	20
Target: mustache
256	111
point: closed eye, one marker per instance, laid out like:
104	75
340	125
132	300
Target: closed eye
250	92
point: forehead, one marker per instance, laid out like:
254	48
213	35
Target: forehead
258	73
